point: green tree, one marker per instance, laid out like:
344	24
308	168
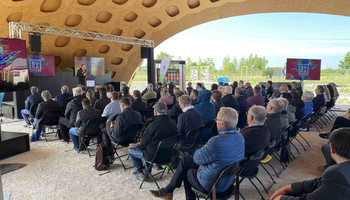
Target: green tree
345	63
228	65
207	62
162	55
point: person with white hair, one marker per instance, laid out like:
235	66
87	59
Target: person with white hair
256	134
273	119
202	170
227	98
47	105
307	98
70	114
63	98
31	100
150	94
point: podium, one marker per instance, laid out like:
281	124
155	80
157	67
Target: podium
90	82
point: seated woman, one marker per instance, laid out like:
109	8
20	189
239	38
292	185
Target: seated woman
165	97
91	96
284	112
291	109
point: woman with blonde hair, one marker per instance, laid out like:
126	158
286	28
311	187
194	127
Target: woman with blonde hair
91	96
165	97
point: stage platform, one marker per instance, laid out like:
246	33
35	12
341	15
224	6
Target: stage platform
13	143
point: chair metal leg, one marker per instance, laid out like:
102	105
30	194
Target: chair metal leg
274	170
266	190
256	188
300	144
305	140
273	180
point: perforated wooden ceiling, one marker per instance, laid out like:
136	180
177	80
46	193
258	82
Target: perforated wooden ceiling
148	19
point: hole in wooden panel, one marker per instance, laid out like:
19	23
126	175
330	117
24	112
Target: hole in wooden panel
14	17
80	52
149	3
193	3
126	47
154	21
62	41
119	2
73	20
103	17
172	11
130	17
57	60
139	33
117	31
50	5
116	61
86	2
103	49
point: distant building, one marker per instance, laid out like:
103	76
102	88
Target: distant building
278	71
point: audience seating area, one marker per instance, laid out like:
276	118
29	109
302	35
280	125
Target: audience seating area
293	156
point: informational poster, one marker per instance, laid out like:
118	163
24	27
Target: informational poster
41	65
93	65
172	75
223	79
303	69
164	65
13	65
2	94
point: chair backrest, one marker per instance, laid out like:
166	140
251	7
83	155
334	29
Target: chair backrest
129	133
165	149
93	126
170	106
114	117
293	131
192	137
50	117
209	127
252	163
32	109
150	103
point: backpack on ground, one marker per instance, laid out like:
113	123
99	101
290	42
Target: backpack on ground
104	157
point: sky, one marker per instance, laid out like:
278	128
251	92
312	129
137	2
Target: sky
275	36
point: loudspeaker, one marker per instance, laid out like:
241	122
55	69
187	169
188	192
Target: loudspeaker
35	43
145	52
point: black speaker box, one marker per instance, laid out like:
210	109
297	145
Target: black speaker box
145	52
35	43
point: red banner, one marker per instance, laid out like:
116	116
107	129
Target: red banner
303	69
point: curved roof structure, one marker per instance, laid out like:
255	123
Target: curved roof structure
155	20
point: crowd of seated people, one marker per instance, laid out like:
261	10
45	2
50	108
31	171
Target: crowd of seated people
240	118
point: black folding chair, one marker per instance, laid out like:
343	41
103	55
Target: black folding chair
92	129
50	118
128	135
162	156
32	112
211	124
250	169
192	137
229	171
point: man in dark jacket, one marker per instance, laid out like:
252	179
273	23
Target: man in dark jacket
189	119
202	170
47	105
243	107
335	181
138	104
31	100
159	129
128	117
273	120
270	89
319	100
256	135
63	98
216	100
72	109
83	116
227	98
103	101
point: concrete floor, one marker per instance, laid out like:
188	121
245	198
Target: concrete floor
55	171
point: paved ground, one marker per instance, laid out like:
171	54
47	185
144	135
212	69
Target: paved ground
55	171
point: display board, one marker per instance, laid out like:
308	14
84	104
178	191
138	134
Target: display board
2	94
13	65
41	65
172	75
94	66
303	69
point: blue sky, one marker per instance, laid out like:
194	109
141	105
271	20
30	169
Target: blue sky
277	36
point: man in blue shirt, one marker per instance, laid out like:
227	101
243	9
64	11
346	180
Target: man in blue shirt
202	170
63	98
31	100
113	108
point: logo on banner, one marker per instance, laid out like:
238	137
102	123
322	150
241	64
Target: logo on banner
35	65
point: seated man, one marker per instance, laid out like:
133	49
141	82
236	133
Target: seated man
227	98
127	118
248	90
138	104
335	181
176	110
70	114
63	98
103	101
307	99
256	135
43	107
194	95
319	100
257	99
31	100
97	91
216	100
243	107
150	94
202	170
189	119
159	129
273	119
82	119
113	108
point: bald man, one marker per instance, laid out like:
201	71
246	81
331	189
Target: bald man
63	98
